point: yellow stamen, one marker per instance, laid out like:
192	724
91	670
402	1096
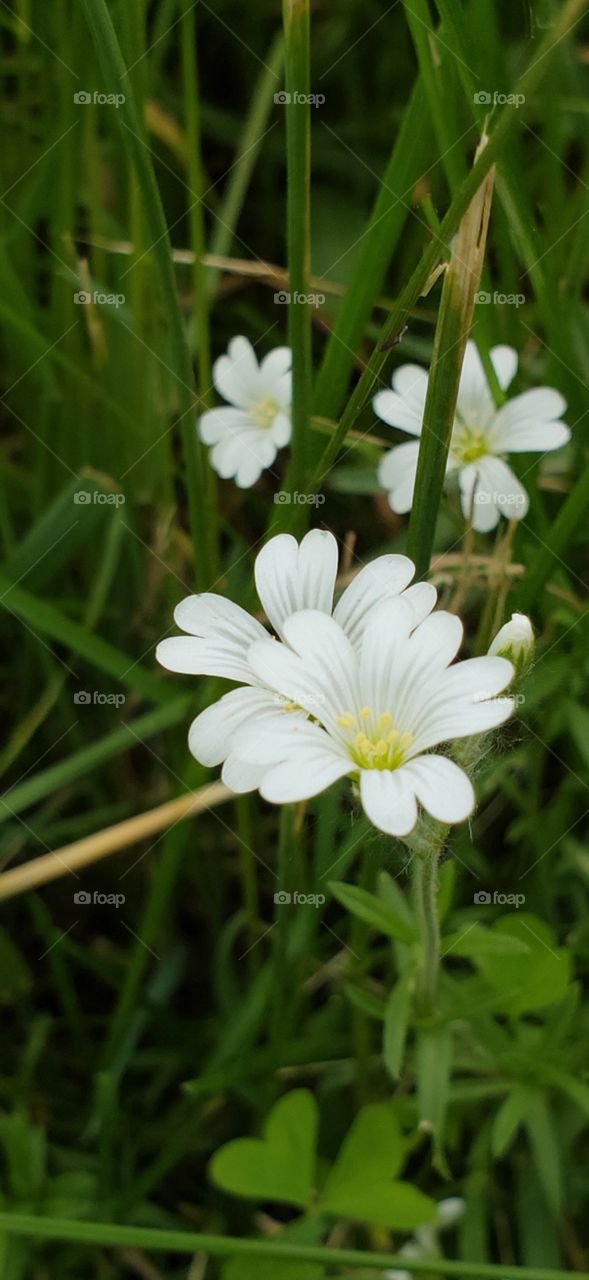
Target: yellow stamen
365	713
348	721
264	412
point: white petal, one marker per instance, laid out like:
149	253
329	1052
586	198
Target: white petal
305	773
422	597
274	665
280	431
438	639
441	787
222	634
215	424
396	474
507	494
450	719
328	660
236	375
240	775
504	360
211	735
403	406
528	423
276	363
388	800
291	577
475	403
385	641
209	615
243	456
476	499
382	579
479	678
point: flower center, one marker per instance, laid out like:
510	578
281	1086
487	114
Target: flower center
263	412
468	444
373	741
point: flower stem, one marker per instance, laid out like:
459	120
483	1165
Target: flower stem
426	902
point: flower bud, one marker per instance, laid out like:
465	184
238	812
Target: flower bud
515	641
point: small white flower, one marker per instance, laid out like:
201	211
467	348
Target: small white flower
288	578
376	710
515	640
247	436
481	436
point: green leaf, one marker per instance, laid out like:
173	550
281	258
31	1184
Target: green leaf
526	982
395	1025
510	1116
545	1149
15	976
434	1065
379	915
281	1165
361	1184
25	1152
478	941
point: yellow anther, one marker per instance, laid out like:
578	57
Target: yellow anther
380	747
392	736
264	412
348	721
365	713
385	720
405	741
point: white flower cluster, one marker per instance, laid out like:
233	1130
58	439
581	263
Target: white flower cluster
482	435
247	432
366	689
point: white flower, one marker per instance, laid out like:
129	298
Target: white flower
288	578
377	709
515	640
481	436
425	1241
247	436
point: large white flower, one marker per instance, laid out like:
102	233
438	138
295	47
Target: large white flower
289	578
376	710
482	435
247	436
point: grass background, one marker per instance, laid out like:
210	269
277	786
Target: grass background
108	1013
